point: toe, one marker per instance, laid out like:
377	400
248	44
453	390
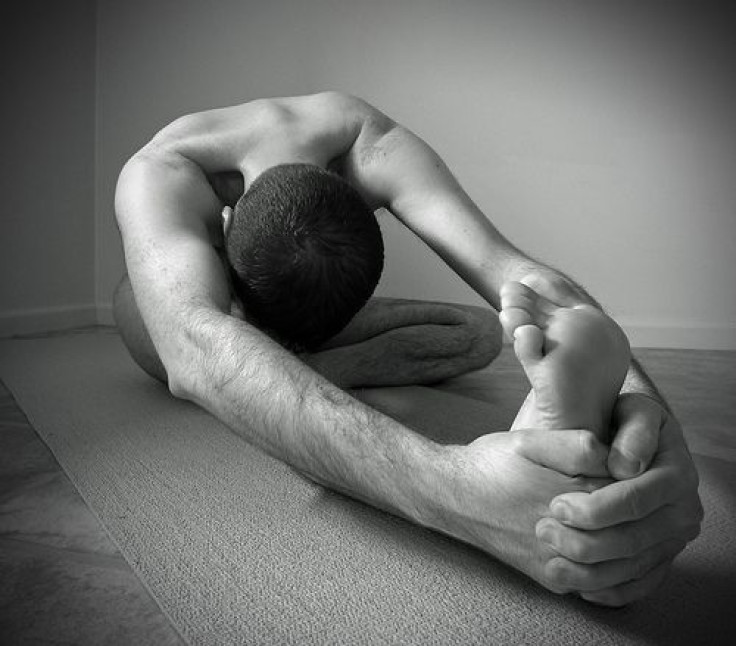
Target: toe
514	317
528	344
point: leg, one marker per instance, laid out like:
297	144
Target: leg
133	331
394	342
576	359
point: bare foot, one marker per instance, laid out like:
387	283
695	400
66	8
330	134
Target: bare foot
576	359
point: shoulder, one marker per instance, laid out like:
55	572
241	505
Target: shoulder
275	113
326	125
355	109
336	112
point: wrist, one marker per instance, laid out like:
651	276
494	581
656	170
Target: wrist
451	501
430	486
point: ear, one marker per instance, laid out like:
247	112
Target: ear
227	218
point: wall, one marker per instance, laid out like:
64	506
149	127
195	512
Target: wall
595	135
47	180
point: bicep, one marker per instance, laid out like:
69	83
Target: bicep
414	183
398	169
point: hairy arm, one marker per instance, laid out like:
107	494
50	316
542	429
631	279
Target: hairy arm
648	453
168	215
401	172
230	368
273	400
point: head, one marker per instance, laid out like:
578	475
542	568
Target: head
305	252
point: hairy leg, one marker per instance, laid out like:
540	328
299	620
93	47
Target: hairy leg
576	359
396	342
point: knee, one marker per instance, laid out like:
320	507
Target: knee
123	302
484	337
125	312
133	331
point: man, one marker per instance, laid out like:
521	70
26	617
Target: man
533	498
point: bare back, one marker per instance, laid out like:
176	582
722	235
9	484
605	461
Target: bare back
171	193
234	145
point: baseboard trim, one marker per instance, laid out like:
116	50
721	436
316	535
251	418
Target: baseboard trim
642	334
46	319
104	314
695	336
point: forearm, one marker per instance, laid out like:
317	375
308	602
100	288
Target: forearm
273	400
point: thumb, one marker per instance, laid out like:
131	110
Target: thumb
637	421
554	288
573	452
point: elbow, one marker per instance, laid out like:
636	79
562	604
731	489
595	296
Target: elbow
192	374
181	382
179	387
137	340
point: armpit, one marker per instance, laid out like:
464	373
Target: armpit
228	186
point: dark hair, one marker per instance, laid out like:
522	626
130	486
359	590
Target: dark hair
305	252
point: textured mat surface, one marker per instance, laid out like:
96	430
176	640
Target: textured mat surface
237	548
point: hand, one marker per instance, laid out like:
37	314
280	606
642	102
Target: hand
637	420
500	487
616	545
555	287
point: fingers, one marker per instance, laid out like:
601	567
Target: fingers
636	420
515	294
556	289
578	577
572	452
621	541
630	591
672	479
619	502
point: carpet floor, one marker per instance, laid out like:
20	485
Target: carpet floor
235	547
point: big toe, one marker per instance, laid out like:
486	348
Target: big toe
528	344
513	318
533	308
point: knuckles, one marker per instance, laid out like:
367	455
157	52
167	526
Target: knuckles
557	575
563	576
612	598
520	441
573	545
577	549
585	515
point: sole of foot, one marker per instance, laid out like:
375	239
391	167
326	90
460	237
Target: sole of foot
575	357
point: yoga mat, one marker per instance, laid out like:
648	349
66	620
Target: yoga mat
237	548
